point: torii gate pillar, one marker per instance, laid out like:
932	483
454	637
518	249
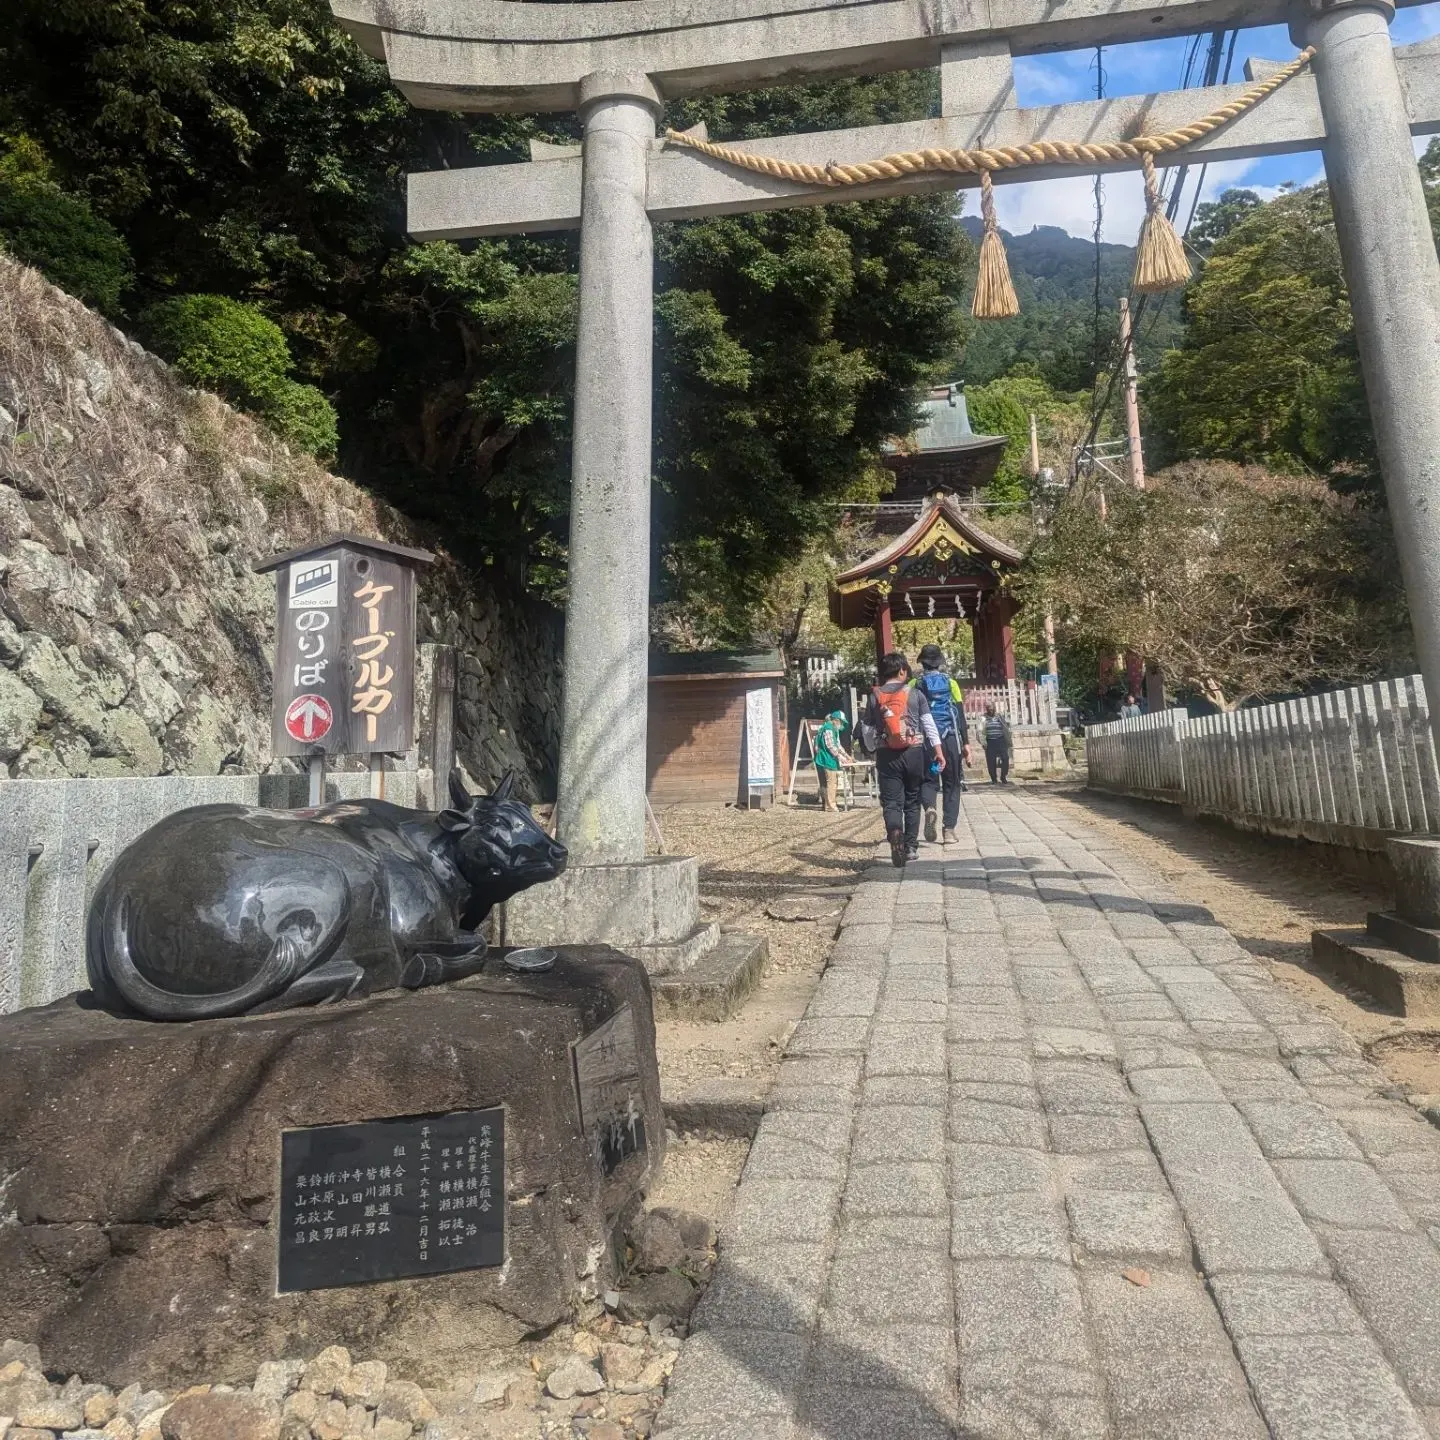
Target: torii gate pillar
1394	279
601	806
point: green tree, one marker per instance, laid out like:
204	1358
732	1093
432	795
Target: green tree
1238	582
247	149
1268	371
1217	218
59	234
234	350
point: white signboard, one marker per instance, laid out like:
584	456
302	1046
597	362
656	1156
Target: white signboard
759	738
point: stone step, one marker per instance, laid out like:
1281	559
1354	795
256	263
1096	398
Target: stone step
1409	987
719	1105
1416	941
715	986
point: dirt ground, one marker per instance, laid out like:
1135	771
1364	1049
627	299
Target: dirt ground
714	1075
1270	894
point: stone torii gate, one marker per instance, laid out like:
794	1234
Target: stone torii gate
617	61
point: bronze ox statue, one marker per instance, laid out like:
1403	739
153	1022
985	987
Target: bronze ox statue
225	909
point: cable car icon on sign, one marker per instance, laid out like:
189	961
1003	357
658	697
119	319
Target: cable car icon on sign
315	586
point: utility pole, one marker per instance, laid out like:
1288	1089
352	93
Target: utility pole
1132	398
1052	659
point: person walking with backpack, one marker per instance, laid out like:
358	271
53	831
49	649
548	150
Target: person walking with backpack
947	706
904	734
997	745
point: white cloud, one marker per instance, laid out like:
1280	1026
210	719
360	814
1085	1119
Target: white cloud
1070	202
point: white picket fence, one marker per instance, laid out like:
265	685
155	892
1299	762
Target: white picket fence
1026	705
1348	767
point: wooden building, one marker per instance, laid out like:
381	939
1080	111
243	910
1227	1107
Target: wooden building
943	455
697	725
944	567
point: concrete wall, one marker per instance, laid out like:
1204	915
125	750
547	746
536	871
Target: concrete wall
1348	768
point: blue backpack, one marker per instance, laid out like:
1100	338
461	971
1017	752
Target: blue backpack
936	686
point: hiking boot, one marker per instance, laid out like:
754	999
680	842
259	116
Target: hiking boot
912	852
930	826
897	847
949	838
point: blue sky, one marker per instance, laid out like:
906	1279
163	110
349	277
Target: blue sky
1137	70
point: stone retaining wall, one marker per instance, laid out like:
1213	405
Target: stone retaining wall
135	638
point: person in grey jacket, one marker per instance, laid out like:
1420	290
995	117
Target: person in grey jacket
998	741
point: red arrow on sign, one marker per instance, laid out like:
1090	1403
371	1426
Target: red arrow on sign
309	717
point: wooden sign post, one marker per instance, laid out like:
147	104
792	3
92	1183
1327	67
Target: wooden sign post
344	653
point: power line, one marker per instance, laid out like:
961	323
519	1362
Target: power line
1204	169
1095	339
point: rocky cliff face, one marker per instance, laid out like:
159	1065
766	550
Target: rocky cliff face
134	635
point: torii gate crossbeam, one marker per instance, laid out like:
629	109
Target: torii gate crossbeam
495	55
617	61
979	110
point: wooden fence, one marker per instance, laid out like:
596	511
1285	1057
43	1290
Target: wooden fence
1349	767
1026	705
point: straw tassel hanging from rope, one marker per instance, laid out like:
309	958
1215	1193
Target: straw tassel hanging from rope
995	297
1160	263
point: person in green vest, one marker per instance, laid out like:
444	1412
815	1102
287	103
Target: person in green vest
830	758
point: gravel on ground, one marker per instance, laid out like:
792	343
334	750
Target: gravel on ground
787	859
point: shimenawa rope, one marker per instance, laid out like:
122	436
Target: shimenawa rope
1162	256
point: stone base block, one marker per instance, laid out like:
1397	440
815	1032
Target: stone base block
649	909
1409	987
716	987
141	1160
1416	941
1416	863
680	956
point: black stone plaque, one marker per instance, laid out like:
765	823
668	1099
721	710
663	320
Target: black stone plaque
387	1199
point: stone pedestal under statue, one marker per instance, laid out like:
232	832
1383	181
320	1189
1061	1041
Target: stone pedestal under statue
650	909
142	1167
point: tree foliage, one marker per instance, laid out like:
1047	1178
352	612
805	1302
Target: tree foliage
59	233
1268	372
246	149
1238	582
222	345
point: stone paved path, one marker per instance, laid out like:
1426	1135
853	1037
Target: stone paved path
1024	1073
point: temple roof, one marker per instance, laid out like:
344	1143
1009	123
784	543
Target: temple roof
943	453
944	555
945	426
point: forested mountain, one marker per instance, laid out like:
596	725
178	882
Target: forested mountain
1055	332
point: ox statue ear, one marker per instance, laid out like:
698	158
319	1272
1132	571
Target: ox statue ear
503	789
460	797
454	821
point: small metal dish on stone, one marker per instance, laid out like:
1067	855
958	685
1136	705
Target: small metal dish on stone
528	962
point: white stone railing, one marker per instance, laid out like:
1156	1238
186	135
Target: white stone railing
1349	767
58	836
1025	705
